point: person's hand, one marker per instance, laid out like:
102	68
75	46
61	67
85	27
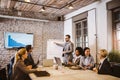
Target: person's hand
29	67
85	68
38	69
54	42
95	69
64	52
70	63
89	65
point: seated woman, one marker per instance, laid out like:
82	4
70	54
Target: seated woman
87	60
104	66
76	57
20	69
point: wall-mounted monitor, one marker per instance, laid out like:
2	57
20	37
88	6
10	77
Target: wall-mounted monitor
16	40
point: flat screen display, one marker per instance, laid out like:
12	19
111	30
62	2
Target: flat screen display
16	40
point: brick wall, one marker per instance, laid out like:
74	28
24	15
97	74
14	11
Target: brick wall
42	32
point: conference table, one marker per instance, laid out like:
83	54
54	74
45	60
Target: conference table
64	73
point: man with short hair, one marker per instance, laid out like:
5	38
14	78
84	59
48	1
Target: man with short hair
29	60
67	50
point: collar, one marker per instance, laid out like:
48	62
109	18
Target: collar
68	42
102	60
78	56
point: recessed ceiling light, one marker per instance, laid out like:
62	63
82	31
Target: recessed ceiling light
70	6
27	0
43	9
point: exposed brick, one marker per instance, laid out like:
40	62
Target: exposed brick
42	32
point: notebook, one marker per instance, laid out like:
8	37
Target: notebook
41	73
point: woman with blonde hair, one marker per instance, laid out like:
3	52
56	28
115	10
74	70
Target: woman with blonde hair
20	69
104	66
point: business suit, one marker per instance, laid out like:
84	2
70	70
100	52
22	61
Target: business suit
21	71
30	61
105	68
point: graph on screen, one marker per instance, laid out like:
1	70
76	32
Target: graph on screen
15	40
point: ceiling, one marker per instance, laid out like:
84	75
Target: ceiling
32	9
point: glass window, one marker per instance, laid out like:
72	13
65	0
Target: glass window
81	33
116	29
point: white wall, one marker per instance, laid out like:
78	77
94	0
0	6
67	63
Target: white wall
81	10
92	32
101	16
109	31
68	28
98	25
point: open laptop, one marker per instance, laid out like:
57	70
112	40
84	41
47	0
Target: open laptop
58	61
48	62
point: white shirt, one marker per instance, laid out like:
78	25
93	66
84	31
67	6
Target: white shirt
75	58
101	62
87	62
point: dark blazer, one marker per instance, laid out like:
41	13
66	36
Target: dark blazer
105	68
30	61
21	71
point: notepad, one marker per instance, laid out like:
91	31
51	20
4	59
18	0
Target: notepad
41	73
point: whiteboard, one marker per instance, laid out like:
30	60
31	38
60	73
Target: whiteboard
54	50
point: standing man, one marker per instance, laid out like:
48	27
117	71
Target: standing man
67	50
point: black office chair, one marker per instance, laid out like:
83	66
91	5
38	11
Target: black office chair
9	69
116	70
3	75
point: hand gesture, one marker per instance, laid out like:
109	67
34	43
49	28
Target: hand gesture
29	67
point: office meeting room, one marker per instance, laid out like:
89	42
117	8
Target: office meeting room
59	39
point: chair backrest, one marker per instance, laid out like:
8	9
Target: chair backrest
9	69
3	74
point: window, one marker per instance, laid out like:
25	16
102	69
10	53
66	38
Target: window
117	37
116	29
81	30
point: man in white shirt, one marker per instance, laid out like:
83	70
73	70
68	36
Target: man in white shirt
67	49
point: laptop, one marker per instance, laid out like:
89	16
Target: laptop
58	61
48	62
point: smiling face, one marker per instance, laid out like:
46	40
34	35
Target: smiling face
102	53
87	52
